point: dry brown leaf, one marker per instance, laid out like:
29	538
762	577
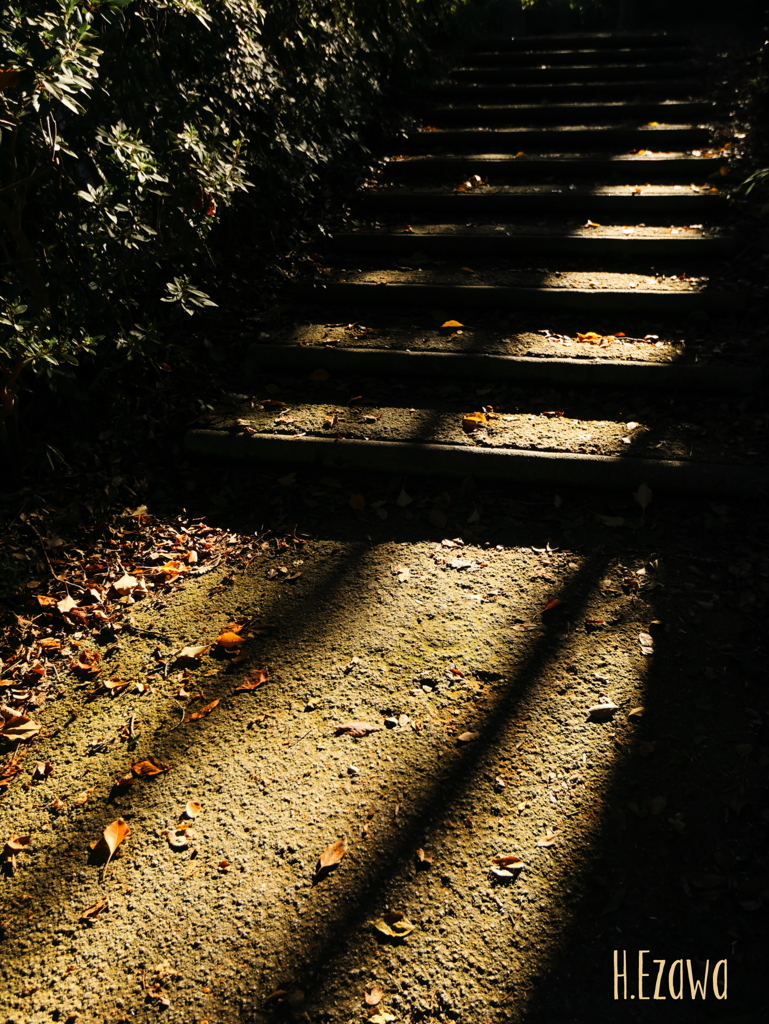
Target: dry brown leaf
19	727
332	855
374	995
125	585
319	374
14	844
150	766
42	770
357	728
467	737
90	913
229	639
253	679
112	836
424	858
473	420
202	712
547	841
394	924
57	804
179	838
509	861
66	605
195	653
358	502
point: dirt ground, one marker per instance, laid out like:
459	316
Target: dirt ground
430	613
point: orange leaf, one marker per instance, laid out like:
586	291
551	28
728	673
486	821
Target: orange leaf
112	836
202	712
150	766
253	679
332	855
590	336
554	602
473	420
229	639
452	323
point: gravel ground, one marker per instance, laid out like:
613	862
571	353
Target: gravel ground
641	826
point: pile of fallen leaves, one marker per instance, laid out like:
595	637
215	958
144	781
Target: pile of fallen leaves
66	621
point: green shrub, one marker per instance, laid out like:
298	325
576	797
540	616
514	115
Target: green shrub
130	126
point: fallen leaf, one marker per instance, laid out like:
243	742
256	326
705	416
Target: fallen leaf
229	639
179	838
467	737
253	679
66	605
636	713
374	995
112	836
646	640
125	585
590	336
657	804
394	924
452	323
194	653
150	766
382	1018
603	712
90	913
194	716
424	858
554	602
643	495
57	804
357	728
547	841
319	374
14	844
473	420
331	856
19	727
42	770
87	663
403	499
358	502
509	861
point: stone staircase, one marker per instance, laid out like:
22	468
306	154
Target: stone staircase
533	289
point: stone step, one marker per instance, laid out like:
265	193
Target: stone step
598	57
467	297
573	73
581	40
546	93
458	365
560	139
460	242
636	113
623	204
506	168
